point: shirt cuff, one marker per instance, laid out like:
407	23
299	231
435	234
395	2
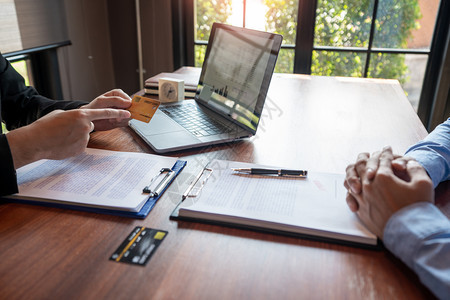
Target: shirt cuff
410	227
433	160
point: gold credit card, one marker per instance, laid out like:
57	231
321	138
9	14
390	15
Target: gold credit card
139	246
143	108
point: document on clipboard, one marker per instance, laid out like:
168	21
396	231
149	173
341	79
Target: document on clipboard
122	183
312	206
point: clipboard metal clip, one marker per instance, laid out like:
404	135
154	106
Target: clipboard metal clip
162	183
197	184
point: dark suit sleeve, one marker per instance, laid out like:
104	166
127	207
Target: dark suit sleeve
8	180
20	105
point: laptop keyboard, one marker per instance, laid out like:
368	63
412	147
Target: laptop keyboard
194	120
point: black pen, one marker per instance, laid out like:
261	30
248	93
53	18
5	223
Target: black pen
278	172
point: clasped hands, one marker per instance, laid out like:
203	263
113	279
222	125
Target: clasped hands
381	184
61	134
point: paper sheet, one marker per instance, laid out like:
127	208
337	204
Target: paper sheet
313	205
98	178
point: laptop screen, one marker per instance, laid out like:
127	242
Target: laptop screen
236	72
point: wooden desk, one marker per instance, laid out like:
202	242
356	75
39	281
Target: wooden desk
317	123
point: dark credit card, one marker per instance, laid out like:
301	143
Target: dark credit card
139	246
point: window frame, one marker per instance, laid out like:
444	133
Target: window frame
304	48
44	68
304	44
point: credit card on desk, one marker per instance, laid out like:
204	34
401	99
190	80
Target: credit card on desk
143	108
139	246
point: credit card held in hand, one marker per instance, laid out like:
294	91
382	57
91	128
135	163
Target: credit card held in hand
143	108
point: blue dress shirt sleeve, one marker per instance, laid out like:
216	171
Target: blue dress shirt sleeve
433	153
419	235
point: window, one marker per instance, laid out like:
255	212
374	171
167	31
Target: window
358	38
267	15
30	31
22	65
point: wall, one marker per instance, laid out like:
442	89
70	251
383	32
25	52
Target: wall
156	33
421	37
103	54
9	28
41	22
86	65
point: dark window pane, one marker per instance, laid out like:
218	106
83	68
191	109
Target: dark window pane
285	61
209	12
199	55
23	68
389	66
421	37
329	63
408	69
416	73
277	16
343	23
396	19
281	17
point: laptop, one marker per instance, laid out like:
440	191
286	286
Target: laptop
230	96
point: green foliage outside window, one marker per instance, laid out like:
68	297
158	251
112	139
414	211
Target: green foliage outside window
282	18
209	12
339	23
21	68
346	23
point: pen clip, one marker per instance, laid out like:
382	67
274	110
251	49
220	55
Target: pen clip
161	184
197	184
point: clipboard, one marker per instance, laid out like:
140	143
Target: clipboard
141	214
223	212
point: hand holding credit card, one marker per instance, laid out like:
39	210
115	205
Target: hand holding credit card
143	108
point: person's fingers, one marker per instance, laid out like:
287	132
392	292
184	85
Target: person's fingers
416	172
352	180
372	165
352	202
361	162
119	93
114	102
370	168
106	113
399	167
365	219
112	99
420	181
386	157
386	176
399	163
